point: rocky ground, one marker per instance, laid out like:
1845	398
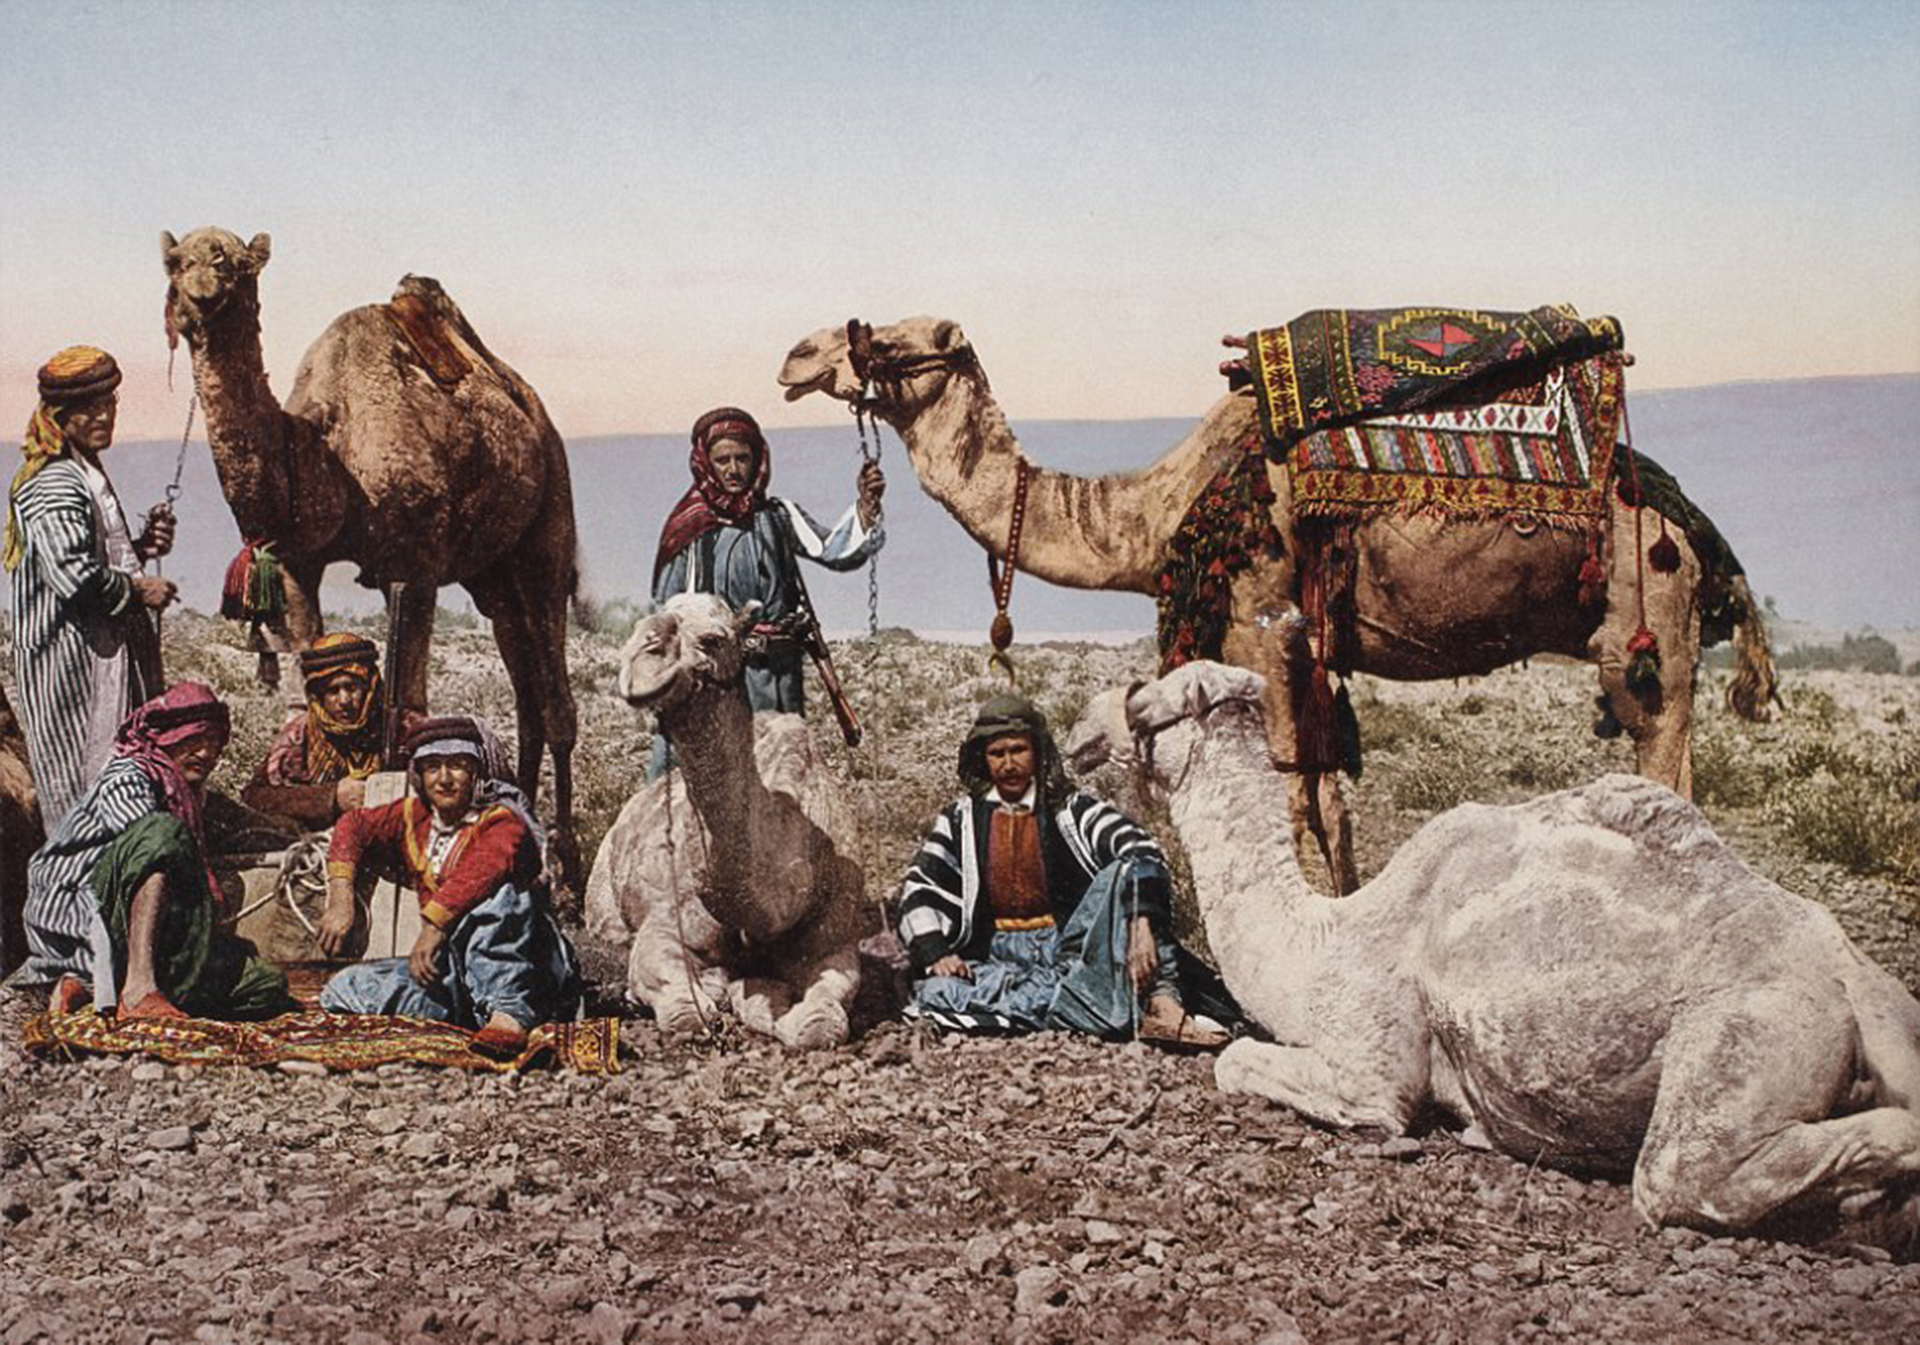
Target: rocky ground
908	1186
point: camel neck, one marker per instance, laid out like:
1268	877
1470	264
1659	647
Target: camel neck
1084	532
246	428
1263	922
713	742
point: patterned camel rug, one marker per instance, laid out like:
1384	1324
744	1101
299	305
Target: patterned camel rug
338	1041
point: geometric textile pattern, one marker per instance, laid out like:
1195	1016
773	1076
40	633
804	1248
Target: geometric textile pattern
337	1040
1336	365
1543	448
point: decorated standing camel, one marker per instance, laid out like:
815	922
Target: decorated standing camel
769	918
1593	979
408	448
1432	598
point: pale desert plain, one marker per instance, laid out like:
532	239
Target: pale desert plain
912	1186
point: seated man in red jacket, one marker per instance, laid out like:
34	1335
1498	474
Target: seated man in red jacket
489	954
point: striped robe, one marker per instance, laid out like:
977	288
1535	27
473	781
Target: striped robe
755	563
62	910
942	893
85	650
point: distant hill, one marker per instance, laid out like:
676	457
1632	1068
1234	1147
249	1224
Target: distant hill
1816	482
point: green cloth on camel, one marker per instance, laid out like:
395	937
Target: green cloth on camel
205	971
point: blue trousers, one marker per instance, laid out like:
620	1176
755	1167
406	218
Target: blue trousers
504	956
1073	978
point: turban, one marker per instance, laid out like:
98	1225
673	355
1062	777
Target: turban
75	374
1005	716
342	748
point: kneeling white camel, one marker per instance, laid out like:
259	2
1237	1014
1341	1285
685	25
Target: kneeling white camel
731	871
1593	978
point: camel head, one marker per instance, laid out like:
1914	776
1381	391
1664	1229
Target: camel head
902	368
210	272
1154	727
691	644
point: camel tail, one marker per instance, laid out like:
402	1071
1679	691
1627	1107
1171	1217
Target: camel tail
1755	686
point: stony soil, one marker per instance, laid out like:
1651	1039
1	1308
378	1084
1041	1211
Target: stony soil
908	1186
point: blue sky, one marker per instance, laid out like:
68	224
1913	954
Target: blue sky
643	207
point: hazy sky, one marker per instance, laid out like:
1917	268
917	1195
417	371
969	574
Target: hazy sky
643	207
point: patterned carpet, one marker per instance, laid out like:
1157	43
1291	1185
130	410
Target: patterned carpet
338	1041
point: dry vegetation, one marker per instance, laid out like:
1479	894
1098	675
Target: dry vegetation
920	1188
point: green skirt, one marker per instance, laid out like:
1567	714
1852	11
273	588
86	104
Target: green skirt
205	971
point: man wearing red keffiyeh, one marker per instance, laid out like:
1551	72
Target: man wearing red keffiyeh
727	536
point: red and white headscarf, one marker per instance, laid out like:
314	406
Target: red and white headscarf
708	504
182	712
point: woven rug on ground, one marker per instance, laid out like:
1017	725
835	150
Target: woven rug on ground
338	1041
1340	364
1545	448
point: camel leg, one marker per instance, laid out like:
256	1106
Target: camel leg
670	979
1740	1126
1364	1087
531	634
759	1002
418	605
827	972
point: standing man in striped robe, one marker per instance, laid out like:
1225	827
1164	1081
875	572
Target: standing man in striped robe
1034	905
86	651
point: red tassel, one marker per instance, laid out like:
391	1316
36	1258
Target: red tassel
1643	662
1593	579
233	591
1319	725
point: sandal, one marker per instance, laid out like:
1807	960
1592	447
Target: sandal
1186	1034
70	995
500	1042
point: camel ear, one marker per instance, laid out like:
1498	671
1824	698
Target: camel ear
170	250
259	250
948	336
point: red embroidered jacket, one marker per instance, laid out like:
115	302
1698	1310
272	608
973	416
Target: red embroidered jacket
494	848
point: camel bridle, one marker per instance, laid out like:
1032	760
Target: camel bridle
1148	736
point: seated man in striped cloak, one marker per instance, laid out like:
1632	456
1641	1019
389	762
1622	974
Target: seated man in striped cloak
122	904
1033	904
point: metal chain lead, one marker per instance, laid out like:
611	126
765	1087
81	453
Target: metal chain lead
870	454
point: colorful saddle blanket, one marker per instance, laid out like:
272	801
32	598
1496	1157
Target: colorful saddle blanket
1336	365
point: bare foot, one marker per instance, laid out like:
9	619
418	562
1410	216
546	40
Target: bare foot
150	1006
503	1038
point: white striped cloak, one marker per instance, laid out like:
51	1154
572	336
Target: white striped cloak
83	662
61	905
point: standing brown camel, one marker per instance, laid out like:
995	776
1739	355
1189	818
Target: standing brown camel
408	448
1432	598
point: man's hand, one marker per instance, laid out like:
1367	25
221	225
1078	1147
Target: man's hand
424	962
873	484
337	920
348	795
952	965
1143	958
153	591
156	539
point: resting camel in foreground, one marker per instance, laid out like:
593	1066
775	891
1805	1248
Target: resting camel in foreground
1592	979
